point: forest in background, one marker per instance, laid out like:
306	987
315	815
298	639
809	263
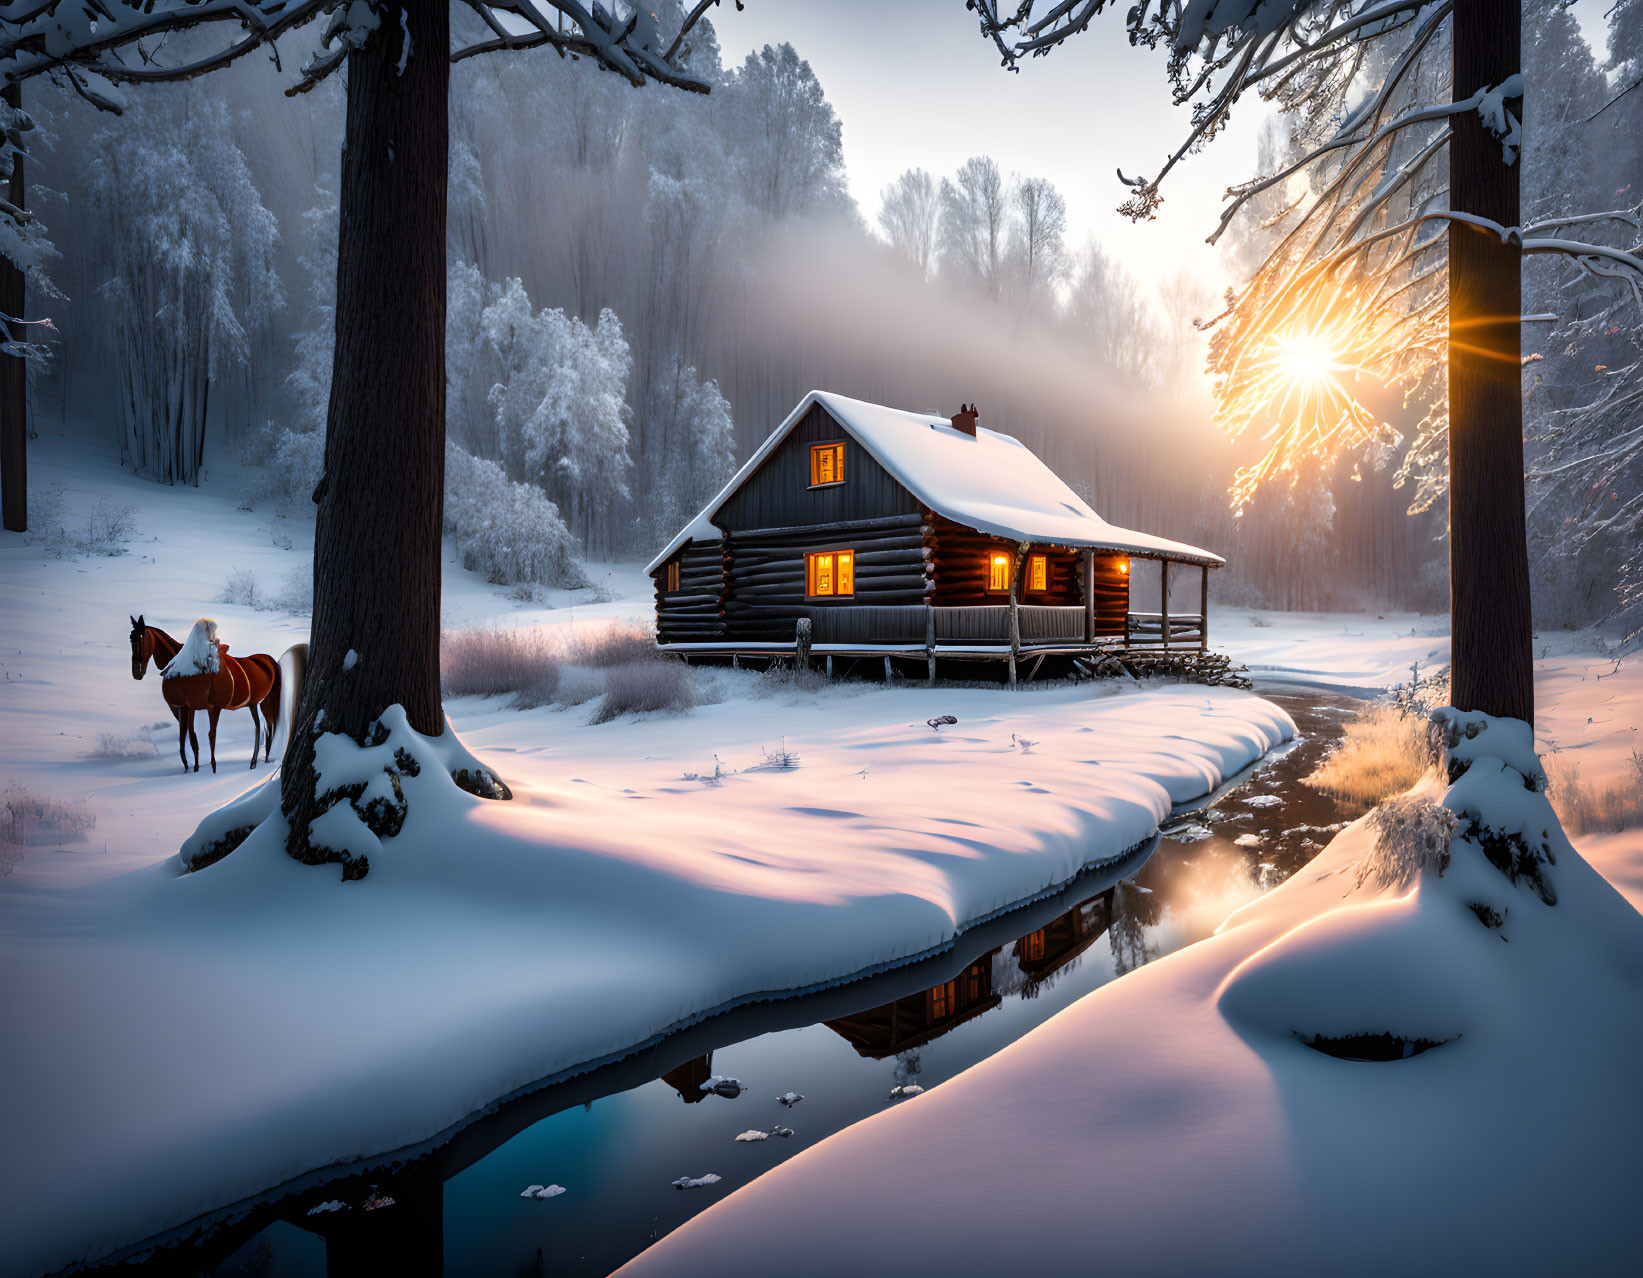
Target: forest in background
643	284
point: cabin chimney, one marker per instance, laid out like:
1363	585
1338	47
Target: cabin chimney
965	419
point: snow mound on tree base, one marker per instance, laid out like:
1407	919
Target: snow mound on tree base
1350	1077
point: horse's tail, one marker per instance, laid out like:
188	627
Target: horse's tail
293	669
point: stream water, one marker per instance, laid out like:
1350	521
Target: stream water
618	1139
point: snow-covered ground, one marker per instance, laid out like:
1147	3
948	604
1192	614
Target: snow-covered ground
180	1043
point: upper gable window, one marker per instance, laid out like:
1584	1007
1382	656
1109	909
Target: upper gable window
826	464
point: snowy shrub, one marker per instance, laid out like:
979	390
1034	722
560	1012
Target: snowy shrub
620	643
107	528
1606	806
114	745
509	532
492	663
27	816
1381	753
1410	835
295	593
241	588
643	686
578	685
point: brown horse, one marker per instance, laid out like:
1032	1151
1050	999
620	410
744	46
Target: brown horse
214	682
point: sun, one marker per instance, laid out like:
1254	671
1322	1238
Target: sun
1307	359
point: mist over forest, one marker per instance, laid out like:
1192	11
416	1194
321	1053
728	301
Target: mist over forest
643	283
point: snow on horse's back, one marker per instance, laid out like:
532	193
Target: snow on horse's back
198	655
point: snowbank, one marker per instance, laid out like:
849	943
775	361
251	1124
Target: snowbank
1353	1076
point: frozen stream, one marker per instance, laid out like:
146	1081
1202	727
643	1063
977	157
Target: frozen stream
618	1138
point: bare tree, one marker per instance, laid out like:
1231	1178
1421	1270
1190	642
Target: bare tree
1185	300
1108	310
910	216
1036	242
377	537
975	210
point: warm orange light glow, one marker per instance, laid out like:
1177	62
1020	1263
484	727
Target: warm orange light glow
1038	573
1124	566
1302	382
830	572
998	572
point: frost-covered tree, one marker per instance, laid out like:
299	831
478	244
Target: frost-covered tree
910	216
377	538
790	144
560	404
975	213
186	251
1109	312
25	253
1037	248
1404	262
697	444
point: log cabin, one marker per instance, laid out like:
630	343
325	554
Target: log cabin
861	531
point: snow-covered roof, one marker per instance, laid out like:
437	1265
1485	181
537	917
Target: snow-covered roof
990	482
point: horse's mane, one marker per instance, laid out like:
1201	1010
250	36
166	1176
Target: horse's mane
198	655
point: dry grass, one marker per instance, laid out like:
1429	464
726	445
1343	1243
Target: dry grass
492	663
1600	807
616	643
1383	753
645	685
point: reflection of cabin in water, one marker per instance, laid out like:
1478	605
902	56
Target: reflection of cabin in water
917	1019
863	531
1062	940
912	1021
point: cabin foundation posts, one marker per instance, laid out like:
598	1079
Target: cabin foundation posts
1164	608
1203	610
887	670
1089	595
930	640
830	665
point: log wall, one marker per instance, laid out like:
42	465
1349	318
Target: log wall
765	581
960	557
695	612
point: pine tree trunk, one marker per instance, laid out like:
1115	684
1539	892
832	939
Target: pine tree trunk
380	503
14	385
1493	668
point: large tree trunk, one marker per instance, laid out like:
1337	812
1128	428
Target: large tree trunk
1493	668
14	384
377	537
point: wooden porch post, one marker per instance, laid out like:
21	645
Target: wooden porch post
1203	609
1089	595
1016	570
930	639
1166	605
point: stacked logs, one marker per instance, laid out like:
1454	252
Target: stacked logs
962	555
1212	668
694	612
765	571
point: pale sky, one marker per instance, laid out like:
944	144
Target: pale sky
915	84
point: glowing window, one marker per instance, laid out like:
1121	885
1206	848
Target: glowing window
1032	947
826	464
830	572
998	571
1038	573
673	575
939	1002
1124	566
